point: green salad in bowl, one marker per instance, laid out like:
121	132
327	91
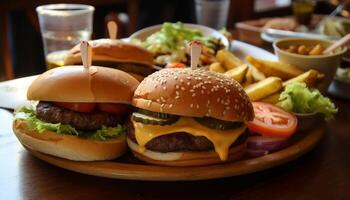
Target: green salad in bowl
168	42
309	105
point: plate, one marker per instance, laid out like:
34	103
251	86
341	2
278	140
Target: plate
127	168
242	49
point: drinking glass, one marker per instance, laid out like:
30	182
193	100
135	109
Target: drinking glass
212	13
303	10
63	26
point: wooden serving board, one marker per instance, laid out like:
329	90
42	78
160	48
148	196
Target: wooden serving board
125	168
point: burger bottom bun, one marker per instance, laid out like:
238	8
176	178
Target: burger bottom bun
68	146
189	158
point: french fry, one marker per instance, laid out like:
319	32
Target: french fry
310	78
274	68
273	99
228	60
249	79
257	75
238	73
216	67
264	88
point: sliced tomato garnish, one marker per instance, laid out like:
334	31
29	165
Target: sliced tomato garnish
79	107
175	65
206	59
271	120
113	108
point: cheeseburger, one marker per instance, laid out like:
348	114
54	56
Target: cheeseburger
80	114
189	117
117	54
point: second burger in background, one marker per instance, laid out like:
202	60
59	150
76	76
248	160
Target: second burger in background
117	54
189	117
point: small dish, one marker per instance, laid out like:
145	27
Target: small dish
326	64
307	121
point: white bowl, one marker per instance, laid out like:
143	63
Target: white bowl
206	31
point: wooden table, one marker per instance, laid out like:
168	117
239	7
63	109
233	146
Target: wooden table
323	173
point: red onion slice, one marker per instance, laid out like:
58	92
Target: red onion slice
256	153
265	144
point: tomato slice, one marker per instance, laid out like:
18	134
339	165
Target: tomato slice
113	108
175	65
206	59
271	120
79	107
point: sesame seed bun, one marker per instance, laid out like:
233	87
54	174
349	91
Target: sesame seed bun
194	93
111	50
77	84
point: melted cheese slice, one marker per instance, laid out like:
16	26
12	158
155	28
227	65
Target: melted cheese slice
221	140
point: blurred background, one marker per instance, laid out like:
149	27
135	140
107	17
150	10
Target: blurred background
21	43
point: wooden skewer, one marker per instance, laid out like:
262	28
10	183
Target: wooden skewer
85	50
112	29
337	44
196	49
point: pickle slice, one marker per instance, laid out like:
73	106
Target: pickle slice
217	124
157	114
146	119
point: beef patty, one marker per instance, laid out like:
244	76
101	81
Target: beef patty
52	113
180	141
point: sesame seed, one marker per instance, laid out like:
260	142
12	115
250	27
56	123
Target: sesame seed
177	86
197	106
194	94
191	105
171	105
164	88
182	88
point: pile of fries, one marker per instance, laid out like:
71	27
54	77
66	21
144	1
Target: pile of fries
263	80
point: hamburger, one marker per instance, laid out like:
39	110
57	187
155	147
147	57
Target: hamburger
80	115
188	117
117	54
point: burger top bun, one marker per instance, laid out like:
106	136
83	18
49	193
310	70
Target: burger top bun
79	84
111	50
194	93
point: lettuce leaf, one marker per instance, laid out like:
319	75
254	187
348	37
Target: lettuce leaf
27	113
297	98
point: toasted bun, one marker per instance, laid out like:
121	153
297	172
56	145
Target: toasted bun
190	158
68	146
111	50
194	93
76	84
